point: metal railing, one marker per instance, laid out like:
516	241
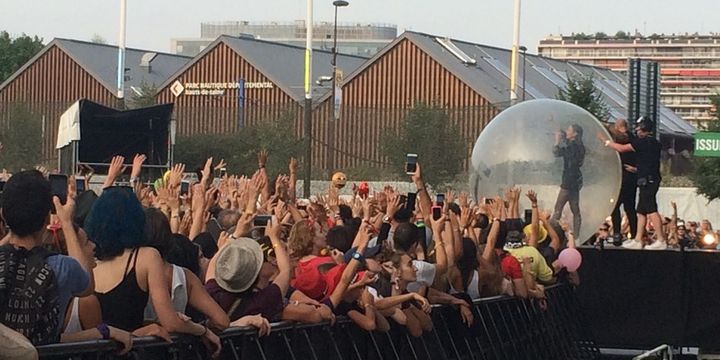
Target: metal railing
504	328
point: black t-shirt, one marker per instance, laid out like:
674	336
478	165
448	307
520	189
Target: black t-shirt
647	150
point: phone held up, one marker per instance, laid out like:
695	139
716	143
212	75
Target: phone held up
411	164
58	187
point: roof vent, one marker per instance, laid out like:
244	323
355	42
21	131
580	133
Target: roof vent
453	49
146	59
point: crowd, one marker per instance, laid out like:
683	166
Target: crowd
235	251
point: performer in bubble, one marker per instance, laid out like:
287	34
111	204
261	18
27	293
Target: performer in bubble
569	146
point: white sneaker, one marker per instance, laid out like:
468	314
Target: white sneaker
627	242
633	244
657	245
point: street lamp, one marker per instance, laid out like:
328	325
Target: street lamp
331	151
524	52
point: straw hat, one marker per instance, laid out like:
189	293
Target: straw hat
238	265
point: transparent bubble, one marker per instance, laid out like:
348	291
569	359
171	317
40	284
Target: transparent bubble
518	148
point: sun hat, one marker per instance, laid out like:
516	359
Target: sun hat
238	264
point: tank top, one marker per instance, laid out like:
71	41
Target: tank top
124	306
73	324
178	294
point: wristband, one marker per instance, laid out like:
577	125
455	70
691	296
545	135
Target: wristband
134	179
607	142
104	330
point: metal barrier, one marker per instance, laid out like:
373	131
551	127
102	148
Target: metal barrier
505	328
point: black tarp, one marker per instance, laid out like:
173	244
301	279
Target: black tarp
641	299
106	132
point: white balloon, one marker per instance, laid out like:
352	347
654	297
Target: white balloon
516	148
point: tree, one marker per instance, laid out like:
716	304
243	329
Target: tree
142	96
240	149
601	35
582	92
706	171
14	52
621	35
98	39
428	132
21	139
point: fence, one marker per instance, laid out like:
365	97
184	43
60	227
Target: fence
504	328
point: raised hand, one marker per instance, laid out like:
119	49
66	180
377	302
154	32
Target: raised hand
262	158
207	172
116	168
137	165
293	166
175	177
463	199
220	165
532	196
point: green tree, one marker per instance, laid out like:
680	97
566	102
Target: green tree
21	139
428	132
240	149
601	35
98	39
706	171
621	35
142	96
14	52
582	92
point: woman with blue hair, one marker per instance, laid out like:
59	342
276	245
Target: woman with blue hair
129	272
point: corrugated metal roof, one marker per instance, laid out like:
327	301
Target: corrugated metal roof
489	75
100	60
283	64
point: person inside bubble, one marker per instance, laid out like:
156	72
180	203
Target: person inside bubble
569	146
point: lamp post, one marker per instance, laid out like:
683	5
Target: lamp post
514	57
334	110
308	98
524	52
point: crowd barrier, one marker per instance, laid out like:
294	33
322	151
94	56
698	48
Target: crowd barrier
505	328
642	298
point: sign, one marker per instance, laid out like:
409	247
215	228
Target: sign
337	101
216	88
707	144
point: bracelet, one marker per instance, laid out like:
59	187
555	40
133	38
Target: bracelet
607	142
104	330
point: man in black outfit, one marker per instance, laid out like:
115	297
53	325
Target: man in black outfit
569	145
647	149
628	188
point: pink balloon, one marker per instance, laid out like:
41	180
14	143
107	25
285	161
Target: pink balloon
570	258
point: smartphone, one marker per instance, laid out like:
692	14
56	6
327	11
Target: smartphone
223	172
213	227
152	188
488	201
302	207
436	212
184	188
261	220
411	164
411	199
80	184
58	187
403	200
440	200
528	216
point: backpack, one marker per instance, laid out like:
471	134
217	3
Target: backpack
29	297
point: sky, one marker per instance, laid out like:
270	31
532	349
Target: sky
152	23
